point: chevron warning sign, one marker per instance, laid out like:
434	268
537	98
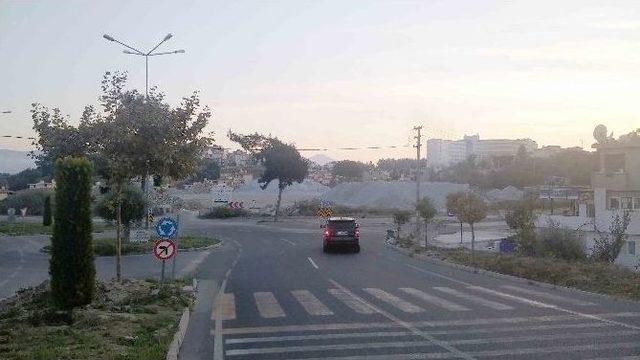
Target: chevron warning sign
324	212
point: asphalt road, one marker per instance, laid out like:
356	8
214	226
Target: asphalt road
271	293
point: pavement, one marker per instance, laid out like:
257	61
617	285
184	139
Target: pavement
271	293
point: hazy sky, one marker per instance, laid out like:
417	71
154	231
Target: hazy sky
340	73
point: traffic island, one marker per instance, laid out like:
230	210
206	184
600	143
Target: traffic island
135	319
589	276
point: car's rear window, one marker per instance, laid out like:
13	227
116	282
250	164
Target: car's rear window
342	225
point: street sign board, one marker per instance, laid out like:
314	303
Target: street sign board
164	249
166	227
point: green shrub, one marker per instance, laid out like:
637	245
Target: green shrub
561	243
32	199
72	267
223	212
46	216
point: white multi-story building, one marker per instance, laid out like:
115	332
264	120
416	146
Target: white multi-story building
442	153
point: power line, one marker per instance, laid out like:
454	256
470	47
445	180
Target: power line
18	137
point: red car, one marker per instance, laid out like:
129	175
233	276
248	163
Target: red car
341	232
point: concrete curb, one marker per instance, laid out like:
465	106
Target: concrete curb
178	337
202	248
494	274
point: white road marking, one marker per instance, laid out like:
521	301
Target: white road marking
218	345
227	307
417	324
351	302
268	305
312	263
422	343
394	300
548	296
488	303
441	343
311	303
490	330
435	300
491	353
512	297
288	241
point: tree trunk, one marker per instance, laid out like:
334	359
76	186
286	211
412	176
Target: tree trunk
275	219
119	240
426	234
473	247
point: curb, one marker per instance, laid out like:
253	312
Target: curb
178	337
202	248
498	275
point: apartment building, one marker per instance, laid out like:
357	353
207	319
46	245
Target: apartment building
442	153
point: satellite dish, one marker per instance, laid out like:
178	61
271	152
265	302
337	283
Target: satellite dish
600	134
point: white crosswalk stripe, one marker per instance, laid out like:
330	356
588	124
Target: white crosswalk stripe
548	296
267	305
311	303
473	298
352	303
435	300
394	300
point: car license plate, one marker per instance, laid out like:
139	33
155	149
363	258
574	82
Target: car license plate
341	233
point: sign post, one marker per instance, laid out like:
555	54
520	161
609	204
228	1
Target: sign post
164	249
175	258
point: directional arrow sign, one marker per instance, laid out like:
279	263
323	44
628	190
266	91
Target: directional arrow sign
164	249
166	227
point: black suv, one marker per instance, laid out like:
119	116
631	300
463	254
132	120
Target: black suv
341	231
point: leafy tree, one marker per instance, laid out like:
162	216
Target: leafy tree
400	218
427	212
32	199
208	169
470	208
72	267
608	245
349	170
46	216
521	217
281	162
21	180
132	207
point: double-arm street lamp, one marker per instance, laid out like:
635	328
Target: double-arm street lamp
133	51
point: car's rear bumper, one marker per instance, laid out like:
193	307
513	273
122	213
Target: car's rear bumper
342	241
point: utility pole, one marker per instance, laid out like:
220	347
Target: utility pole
418	144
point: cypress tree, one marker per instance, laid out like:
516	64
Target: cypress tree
46	216
72	267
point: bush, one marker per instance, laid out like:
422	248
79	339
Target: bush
72	268
223	212
133	205
46	216
561	243
32	199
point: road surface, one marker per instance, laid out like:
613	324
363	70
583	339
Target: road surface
271	293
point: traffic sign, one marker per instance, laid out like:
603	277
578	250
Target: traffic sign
164	249
324	212
236	204
166	227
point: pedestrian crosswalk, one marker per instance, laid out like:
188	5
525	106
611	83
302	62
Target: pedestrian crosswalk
404	300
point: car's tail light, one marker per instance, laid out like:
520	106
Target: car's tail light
327	233
357	233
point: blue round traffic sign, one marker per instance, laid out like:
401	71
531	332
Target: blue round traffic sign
166	227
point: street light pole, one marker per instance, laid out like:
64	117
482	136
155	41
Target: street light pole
146	89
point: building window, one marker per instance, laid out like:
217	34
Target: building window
614	203
636	203
632	247
614	163
627	203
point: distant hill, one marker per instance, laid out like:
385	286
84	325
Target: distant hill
321	159
14	161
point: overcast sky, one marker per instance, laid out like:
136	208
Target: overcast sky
340	73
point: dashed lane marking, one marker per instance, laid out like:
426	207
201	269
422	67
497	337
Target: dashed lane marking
311	303
473	298
312	262
394	300
435	300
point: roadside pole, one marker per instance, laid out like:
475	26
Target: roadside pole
177	242
162	274
418	171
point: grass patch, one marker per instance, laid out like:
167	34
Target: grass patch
125	321
223	212
590	276
107	246
36	228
